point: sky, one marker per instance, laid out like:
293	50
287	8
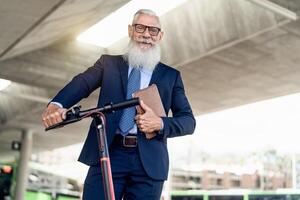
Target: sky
273	123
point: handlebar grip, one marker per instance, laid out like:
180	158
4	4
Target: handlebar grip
126	104
61	124
70	118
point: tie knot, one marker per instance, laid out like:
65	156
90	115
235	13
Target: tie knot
134	80
134	71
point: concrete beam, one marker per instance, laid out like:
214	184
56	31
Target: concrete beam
30	97
276	9
30	29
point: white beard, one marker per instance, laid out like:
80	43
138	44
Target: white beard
137	58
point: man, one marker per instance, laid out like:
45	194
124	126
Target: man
139	165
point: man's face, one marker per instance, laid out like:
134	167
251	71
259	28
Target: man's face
145	32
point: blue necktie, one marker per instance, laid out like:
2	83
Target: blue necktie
127	118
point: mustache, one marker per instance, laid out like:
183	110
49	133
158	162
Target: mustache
145	40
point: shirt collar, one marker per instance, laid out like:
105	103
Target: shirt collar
143	70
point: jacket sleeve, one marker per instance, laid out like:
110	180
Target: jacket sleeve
182	122
82	85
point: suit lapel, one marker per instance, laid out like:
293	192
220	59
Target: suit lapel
123	67
156	75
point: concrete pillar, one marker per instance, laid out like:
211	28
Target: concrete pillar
22	172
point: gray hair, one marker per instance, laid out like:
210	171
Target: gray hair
145	12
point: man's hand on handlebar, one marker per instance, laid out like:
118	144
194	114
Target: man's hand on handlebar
53	114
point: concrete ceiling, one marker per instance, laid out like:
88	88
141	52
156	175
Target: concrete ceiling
230	53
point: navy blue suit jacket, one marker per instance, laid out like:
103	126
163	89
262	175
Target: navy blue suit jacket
110	73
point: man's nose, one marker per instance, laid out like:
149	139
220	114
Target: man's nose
146	33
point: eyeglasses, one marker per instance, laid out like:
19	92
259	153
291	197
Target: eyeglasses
140	28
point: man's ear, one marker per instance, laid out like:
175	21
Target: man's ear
160	36
130	31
